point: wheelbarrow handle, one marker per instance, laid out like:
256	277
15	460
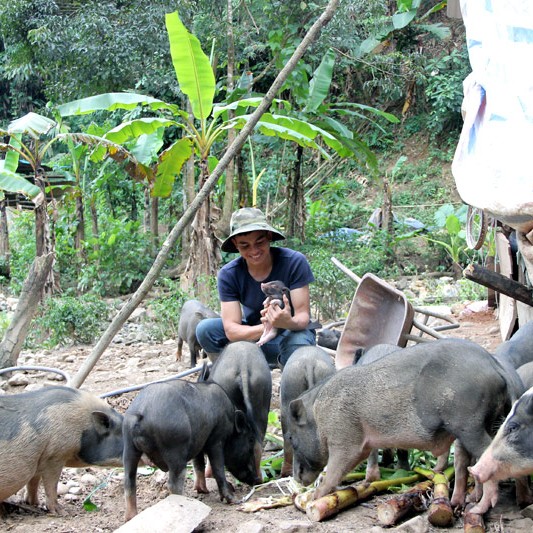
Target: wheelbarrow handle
346	270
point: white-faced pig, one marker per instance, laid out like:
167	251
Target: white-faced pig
518	350
510	454
44	430
176	421
306	367
243	372
424	396
191	314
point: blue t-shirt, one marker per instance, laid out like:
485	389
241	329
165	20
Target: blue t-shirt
236	284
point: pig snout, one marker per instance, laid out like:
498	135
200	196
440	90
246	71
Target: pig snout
486	468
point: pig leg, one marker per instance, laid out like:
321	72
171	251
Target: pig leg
462	460
50	479
286	469
473	444
32	488
403	459
442	462
131	460
269	333
216	458
179	349
176	478
339	464
372	467
200	485
523	491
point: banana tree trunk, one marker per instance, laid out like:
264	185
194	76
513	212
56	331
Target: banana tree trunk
204	253
5	253
297	199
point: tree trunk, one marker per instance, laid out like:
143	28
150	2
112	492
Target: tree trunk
189	182
154	224
94	222
244	185
227	208
44	244
201	197
147	211
204	253
296	216
5	254
30	296
79	238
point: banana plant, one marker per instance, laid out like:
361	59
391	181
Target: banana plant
200	130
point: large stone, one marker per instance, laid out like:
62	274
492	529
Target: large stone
174	514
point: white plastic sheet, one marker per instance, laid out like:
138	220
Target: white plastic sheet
493	162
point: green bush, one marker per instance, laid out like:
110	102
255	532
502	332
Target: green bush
67	320
117	259
444	90
165	311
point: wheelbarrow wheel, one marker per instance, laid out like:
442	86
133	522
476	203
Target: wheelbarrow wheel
476	227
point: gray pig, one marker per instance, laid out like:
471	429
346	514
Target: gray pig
306	367
176	421
44	430
191	314
526	374
518	350
328	338
242	371
510	454
424	396
368	356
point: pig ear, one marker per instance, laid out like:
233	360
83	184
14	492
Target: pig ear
204	374
298	412
101	420
527	400
240	421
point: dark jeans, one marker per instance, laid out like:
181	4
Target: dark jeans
212	337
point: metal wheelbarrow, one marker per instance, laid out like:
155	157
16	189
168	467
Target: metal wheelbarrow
380	313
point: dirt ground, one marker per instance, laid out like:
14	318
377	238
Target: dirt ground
124	366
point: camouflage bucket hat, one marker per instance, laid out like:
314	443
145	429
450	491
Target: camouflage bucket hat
245	220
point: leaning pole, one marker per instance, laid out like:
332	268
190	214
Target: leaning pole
189	213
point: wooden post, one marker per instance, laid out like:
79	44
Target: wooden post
500	283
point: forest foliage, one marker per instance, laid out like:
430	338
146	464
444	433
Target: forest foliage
377	58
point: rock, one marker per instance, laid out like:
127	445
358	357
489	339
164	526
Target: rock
18	380
62	489
252	526
88	479
418	524
295	526
524	524
527	512
174	514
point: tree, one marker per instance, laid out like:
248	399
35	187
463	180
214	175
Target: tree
201	128
177	230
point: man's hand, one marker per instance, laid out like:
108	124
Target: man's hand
276	316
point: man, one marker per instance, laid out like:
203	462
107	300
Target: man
243	316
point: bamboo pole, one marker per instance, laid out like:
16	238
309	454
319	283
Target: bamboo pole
473	523
333	503
393	509
440	512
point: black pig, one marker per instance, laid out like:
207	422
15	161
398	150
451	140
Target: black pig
177	421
